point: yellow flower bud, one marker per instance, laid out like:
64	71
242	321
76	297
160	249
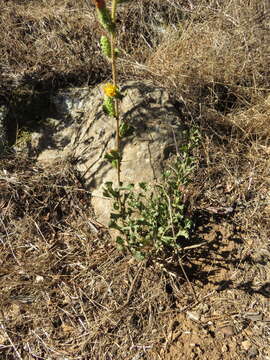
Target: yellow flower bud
110	90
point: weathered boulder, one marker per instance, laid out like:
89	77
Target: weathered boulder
83	132
52	142
156	127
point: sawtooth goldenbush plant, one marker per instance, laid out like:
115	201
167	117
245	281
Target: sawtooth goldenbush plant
149	218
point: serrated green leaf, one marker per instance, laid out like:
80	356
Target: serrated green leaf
125	129
120	240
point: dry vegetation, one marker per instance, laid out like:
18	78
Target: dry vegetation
65	291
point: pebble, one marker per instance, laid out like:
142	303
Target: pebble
193	316
205	308
227	331
39	278
246	345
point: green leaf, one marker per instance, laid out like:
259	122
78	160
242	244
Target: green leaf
105	19
127	187
113	157
120	243
115	216
143	185
126	129
138	255
110	191
114	164
105	45
116	52
120	240
167	174
183	233
109	106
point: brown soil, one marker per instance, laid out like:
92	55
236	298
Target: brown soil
231	319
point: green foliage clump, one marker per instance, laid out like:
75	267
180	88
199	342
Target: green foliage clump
152	219
108	106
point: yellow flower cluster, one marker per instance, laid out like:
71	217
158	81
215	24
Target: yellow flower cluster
110	90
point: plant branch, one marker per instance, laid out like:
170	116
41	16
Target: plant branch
116	101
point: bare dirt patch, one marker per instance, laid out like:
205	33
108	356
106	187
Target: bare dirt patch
232	319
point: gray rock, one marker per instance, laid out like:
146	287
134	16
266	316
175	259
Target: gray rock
71	103
82	131
155	121
51	142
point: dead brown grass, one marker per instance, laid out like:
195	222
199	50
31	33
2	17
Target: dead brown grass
65	290
49	41
216	63
56	43
219	54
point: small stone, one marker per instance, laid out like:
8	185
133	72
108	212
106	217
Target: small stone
205	308
193	316
225	348
227	331
39	278
246	345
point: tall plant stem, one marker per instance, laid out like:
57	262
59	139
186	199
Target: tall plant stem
116	102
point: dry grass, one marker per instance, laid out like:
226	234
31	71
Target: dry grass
52	43
66	293
219	56
70	293
49	41
216	63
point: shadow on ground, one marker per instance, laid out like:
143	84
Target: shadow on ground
214	252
